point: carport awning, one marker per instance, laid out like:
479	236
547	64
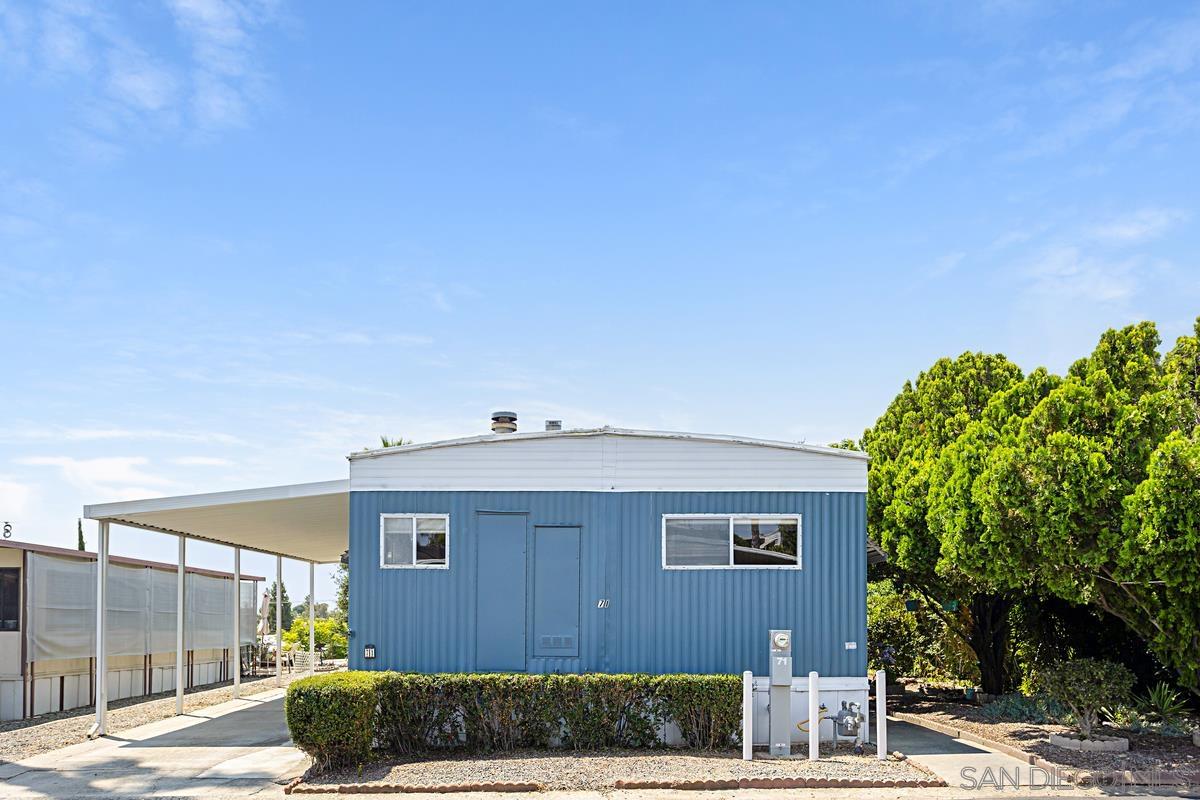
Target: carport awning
306	521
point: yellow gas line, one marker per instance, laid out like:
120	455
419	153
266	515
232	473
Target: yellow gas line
822	713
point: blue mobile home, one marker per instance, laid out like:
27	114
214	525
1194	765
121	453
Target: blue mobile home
607	550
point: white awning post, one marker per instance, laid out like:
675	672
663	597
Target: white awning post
881	715
237	622
814	716
100	728
312	631
747	716
278	618
180	667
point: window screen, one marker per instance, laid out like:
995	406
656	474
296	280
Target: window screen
414	540
697	542
397	541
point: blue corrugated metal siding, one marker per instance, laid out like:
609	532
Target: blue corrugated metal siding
658	620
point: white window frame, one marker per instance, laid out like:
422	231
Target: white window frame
799	519
414	517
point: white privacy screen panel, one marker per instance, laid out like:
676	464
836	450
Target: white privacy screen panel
141	615
62	599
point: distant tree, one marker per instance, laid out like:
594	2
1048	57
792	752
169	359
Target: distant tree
328	632
341	577
80	544
846	444
300	610
398	441
286	608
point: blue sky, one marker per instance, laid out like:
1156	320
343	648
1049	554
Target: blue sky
240	239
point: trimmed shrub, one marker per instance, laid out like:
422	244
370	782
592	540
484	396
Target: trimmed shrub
415	713
1037	709
339	718
503	711
600	710
1085	685
331	717
707	708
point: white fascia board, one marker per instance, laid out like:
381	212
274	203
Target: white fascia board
291	491
491	438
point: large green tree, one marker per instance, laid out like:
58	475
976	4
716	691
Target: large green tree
954	519
1094	496
908	479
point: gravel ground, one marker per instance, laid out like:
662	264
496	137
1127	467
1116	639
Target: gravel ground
1146	751
22	739
601	769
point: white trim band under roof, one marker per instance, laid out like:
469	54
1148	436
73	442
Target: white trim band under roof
490	438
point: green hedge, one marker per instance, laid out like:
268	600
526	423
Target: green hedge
340	718
331	717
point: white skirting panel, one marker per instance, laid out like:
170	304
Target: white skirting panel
10	699
834	691
54	692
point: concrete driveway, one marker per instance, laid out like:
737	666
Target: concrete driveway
236	749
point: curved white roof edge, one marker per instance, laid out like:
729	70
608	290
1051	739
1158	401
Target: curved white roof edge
490	438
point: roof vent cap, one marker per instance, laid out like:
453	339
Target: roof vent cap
554	424
504	422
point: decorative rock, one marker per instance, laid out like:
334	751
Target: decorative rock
896	754
1098	744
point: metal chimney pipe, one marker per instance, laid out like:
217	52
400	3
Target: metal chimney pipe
504	422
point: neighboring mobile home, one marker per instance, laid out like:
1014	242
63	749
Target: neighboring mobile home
48	627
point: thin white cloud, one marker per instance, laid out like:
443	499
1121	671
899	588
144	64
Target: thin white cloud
945	264
99	434
1067	274
1069	54
138	81
1102	114
201	461
1140	226
110	478
15	497
64	44
1171	47
131	85
226	78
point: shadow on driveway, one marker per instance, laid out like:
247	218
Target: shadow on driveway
233	748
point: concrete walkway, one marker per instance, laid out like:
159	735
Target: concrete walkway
237	748
960	763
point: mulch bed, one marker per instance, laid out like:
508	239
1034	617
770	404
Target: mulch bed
617	769
1147	753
